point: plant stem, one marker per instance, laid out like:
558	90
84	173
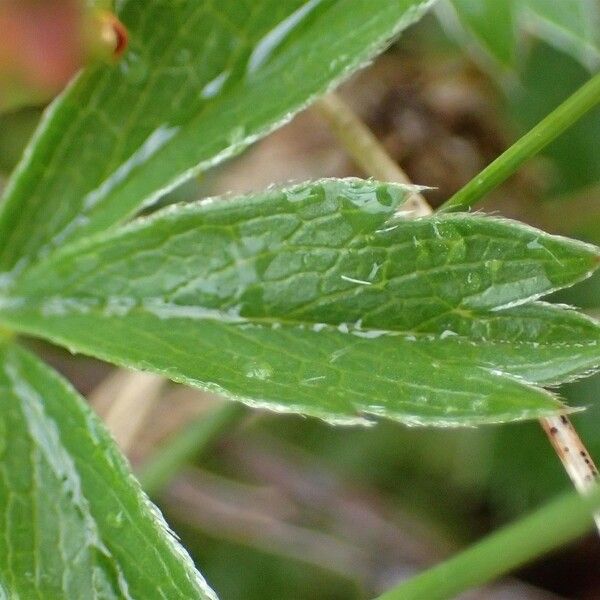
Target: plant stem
366	150
360	143
564	438
551	526
584	99
125	400
187	444
573	454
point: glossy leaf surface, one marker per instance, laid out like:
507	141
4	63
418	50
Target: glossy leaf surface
75	522
498	27
200	81
321	299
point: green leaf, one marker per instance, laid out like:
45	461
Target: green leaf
496	27
200	81
75	522
569	25
320	299
484	25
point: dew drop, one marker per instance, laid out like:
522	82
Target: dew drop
260	371
493	265
116	520
312	381
374	271
153	143
134	68
447	333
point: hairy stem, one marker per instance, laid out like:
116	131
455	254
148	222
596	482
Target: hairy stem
550	527
549	128
573	454
362	145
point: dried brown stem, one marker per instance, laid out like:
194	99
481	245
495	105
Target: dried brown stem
573	454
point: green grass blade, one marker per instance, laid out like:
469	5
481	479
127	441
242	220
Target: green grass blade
550	527
493	30
186	445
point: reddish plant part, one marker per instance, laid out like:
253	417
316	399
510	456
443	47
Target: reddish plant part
44	43
41	47
108	35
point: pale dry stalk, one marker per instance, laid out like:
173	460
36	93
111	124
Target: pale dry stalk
125	400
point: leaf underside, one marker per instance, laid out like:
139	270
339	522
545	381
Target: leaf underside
321	299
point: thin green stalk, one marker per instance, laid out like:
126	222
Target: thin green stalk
188	444
551	526
571	110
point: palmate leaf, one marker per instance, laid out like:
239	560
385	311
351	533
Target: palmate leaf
496	27
75	522
320	299
200	81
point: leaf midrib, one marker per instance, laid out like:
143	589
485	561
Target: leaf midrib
182	378
225	318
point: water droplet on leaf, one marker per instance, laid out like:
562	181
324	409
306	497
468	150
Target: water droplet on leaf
135	68
261	371
116	519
